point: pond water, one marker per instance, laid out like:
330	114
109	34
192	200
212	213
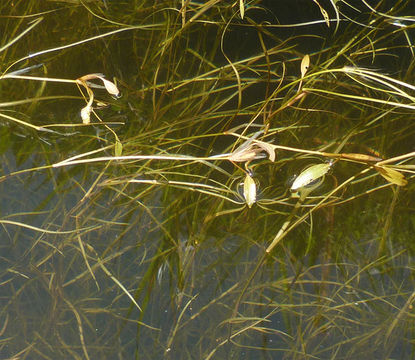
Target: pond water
131	236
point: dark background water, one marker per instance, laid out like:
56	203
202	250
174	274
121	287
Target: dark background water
340	285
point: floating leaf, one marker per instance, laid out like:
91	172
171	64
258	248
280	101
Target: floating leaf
249	190
268	148
305	64
118	147
250	150
246	154
324	13
109	85
242	8
86	111
391	175
310	176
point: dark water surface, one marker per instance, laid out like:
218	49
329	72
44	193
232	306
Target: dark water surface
154	258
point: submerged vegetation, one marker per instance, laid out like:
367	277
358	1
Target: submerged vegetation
207	180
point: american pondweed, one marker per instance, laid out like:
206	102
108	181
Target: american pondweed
181	238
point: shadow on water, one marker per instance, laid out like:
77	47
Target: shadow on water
166	223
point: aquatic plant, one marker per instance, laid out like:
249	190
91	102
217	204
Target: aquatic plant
160	221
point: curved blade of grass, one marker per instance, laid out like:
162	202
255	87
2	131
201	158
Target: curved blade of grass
18	37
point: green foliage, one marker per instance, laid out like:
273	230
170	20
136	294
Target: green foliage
164	225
